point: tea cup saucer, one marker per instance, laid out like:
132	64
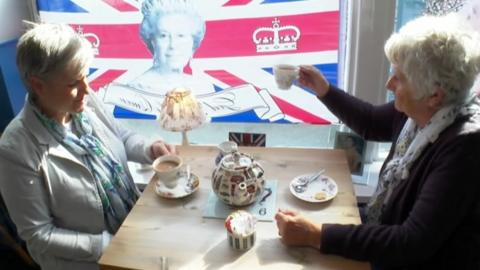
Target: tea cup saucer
318	191
184	187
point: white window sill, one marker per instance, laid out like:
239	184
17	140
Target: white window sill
366	184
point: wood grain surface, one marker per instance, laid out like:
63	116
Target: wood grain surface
175	229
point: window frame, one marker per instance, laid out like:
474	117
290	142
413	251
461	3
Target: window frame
366	68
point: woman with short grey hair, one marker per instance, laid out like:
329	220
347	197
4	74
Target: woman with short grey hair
425	213
445	59
59	49
65	178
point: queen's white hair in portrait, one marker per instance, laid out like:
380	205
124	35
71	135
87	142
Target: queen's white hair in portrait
437	51
47	48
153	10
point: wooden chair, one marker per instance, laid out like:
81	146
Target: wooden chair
11	240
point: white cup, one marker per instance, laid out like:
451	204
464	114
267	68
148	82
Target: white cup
168	169
285	75
240	227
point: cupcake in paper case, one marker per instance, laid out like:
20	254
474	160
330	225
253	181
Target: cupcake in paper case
240	227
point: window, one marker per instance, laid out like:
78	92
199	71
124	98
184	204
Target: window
362	67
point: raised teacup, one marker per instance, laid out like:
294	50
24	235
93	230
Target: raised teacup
285	75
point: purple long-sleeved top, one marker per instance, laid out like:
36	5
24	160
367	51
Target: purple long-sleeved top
432	220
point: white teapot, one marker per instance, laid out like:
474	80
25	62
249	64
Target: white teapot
238	179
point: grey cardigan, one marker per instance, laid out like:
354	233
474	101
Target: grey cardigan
51	196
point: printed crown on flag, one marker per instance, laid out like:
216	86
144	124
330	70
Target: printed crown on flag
276	38
91	37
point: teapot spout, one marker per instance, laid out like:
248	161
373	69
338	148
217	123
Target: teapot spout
242	186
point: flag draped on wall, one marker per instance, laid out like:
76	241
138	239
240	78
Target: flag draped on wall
243	40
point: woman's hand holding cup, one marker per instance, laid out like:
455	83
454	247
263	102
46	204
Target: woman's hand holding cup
312	78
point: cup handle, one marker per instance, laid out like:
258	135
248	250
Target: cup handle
187	171
184	171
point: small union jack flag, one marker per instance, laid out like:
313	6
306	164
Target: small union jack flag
248	139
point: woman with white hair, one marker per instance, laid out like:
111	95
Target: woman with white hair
65	178
425	213
172	30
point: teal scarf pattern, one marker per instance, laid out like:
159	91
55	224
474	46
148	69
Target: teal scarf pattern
116	190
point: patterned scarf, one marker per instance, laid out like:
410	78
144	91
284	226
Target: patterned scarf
116	190
410	144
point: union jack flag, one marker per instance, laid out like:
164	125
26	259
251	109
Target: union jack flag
248	139
230	56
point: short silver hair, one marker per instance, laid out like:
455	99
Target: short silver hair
153	10
45	49
433	52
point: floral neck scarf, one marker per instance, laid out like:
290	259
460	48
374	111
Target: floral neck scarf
116	190
410	144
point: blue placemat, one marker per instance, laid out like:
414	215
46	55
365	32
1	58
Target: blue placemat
264	209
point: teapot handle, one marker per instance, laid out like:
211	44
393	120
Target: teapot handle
261	171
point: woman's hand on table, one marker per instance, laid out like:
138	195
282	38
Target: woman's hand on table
296	230
160	148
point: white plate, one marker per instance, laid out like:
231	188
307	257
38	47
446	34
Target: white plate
182	189
324	188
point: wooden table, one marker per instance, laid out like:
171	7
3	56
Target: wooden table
175	229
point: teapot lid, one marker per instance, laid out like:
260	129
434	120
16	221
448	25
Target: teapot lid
236	160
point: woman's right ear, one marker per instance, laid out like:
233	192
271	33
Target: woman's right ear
36	85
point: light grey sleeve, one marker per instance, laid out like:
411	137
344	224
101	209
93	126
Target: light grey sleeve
25	193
